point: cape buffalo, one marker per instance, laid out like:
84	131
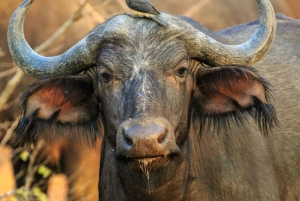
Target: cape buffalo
184	116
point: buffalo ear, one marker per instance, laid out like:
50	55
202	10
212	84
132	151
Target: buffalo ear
232	91
64	105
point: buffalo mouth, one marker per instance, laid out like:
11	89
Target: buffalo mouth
153	163
148	164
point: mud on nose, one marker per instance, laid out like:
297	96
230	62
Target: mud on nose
145	138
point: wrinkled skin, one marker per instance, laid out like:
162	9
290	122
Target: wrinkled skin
281	68
175	129
145	89
133	94
240	164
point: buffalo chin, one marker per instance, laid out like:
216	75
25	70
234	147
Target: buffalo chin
153	172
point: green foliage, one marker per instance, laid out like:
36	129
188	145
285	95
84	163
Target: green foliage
14	199
24	155
44	171
33	195
39	194
21	194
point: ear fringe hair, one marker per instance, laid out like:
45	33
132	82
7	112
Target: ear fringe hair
263	113
30	130
265	117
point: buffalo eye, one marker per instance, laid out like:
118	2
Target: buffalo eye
106	77
181	72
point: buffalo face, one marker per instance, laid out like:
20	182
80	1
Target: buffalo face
145	100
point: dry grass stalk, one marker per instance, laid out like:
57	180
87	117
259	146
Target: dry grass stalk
7	180
9	133
57	188
32	168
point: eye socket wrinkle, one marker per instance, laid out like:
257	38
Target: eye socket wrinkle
182	72
106	77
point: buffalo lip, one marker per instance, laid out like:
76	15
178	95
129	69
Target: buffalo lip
152	163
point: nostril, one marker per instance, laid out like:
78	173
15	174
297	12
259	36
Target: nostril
161	137
127	140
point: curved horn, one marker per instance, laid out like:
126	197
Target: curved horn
248	52
72	61
214	53
201	46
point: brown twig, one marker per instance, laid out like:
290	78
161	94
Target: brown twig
198	6
9	105
100	5
32	169
5	125
2	53
9	133
99	18
10	86
96	18
74	17
8	72
15	80
6	64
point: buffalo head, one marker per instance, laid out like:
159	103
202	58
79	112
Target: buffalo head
142	85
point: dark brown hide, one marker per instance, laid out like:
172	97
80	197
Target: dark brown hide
142	81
